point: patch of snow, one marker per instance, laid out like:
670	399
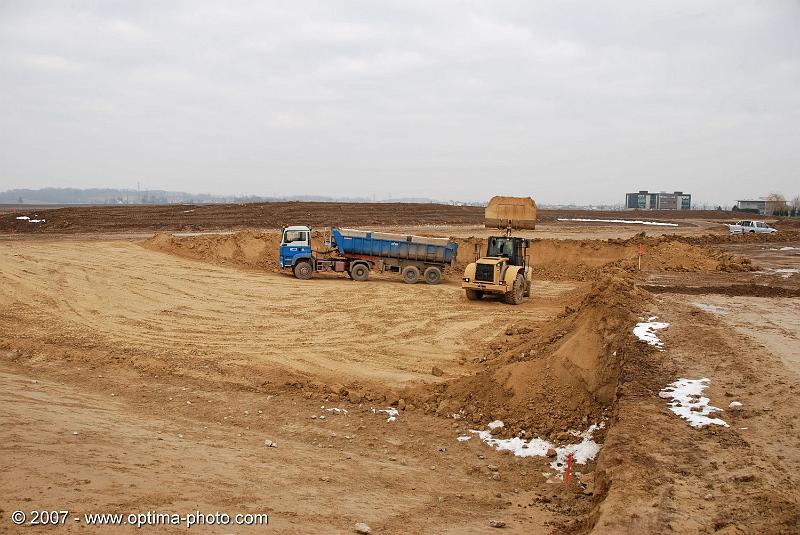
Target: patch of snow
582	452
787	272
585	450
646	331
495	424
463	438
36	221
787	248
623	221
390	411
735	405
688	403
23	217
714	309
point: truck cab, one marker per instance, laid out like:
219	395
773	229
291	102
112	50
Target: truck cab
295	245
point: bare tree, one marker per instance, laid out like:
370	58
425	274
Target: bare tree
776	203
796	204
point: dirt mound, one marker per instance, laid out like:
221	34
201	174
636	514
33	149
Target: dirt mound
559	376
753	290
249	249
587	259
582	260
787	233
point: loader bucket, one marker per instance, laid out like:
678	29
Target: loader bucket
515	212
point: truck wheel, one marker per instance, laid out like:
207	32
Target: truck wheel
517	293
302	270
433	275
474	295
410	274
527	288
359	272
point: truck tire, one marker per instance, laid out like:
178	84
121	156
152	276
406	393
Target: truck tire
527	288
517	293
433	275
303	270
410	274
359	272
474	295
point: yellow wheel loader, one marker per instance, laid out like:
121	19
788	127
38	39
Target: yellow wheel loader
505	269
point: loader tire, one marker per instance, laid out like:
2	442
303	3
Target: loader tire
474	295
410	274
303	270
527	288
359	272
433	275
517	293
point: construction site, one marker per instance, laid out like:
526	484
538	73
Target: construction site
172	358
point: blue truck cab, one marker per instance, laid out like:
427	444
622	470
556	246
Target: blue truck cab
295	245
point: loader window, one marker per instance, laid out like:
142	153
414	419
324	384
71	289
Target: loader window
502	246
496	247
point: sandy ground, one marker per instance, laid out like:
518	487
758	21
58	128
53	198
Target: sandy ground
134	380
160	307
669	477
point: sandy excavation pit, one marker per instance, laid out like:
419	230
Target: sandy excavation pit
198	343
167	312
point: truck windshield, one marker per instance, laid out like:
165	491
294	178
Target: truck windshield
291	236
500	247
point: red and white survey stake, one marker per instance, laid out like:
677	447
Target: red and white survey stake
569	468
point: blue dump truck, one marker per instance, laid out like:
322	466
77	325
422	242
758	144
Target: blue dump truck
357	252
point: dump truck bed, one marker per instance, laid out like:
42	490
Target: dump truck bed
390	245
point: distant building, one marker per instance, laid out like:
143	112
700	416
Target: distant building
762	206
748	205
644	200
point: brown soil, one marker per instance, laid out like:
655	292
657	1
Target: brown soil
543	380
190	217
194	218
553	259
174	368
248	249
757	290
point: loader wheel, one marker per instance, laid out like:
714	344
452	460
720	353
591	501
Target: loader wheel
517	293
474	295
302	270
410	274
433	275
527	288
359	272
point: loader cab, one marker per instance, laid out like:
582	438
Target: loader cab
295	245
515	249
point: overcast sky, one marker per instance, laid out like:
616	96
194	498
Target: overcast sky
565	101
